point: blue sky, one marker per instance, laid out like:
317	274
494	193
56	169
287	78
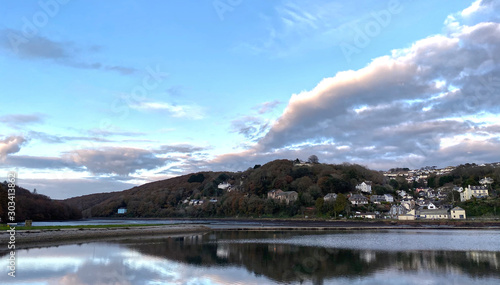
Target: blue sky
102	95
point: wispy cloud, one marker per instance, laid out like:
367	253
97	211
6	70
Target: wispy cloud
50	138
114	132
251	127
267	107
296	26
17	120
65	53
179	111
180	148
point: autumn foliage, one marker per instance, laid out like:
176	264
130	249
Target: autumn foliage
36	207
247	196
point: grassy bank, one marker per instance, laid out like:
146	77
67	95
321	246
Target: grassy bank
18	228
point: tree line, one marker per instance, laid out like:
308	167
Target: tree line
36	207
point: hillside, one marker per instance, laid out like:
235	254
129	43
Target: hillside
167	198
35	207
198	195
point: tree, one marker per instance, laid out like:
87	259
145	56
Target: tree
453	197
196	178
319	206
394	183
340	204
313	159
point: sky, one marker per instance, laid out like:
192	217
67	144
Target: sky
100	96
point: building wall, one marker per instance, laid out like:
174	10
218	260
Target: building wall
434	216
406	217
458	214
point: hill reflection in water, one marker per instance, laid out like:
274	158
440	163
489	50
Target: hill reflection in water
266	257
289	262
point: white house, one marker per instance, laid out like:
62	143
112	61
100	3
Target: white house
397	210
330	197
224	185
122	210
274	193
376	199
473	191
408	203
486	180
365	186
431	206
408	216
433	214
388	198
458	213
280	195
357	199
288	196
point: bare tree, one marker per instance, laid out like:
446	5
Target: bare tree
313	159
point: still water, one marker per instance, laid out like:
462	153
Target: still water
257	257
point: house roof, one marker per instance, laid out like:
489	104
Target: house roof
478	187
457	209
357	196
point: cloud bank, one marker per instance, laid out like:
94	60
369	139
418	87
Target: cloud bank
431	103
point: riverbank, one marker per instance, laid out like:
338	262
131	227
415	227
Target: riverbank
345	223
46	237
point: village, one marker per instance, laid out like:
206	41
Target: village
398	194
429	203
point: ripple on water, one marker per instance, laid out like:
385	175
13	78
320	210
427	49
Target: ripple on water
397	240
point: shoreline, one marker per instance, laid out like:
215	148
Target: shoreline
53	237
479	223
41	238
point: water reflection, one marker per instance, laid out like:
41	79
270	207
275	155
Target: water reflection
238	257
284	262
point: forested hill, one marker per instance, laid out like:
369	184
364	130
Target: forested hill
247	197
31	206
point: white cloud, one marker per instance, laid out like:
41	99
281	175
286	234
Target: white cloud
11	145
401	106
116	160
179	111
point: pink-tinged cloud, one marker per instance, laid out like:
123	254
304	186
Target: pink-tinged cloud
400	108
10	145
